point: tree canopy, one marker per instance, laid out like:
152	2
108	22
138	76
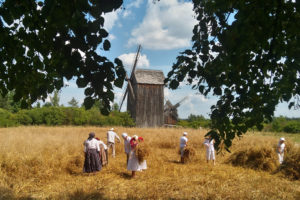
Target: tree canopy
73	103
248	54
44	43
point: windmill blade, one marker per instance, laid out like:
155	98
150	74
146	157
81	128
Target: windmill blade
124	96
182	100
130	89
129	85
135	61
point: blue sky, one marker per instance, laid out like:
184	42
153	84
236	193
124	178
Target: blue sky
163	29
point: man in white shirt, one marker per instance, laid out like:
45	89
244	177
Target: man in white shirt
280	149
183	144
111	135
210	149
126	145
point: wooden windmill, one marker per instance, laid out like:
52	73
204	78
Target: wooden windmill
145	96
170	112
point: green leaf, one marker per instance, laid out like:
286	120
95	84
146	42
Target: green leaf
89	91
88	102
81	82
106	45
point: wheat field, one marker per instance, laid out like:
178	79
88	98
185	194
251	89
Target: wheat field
46	163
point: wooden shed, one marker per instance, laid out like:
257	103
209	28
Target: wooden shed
146	106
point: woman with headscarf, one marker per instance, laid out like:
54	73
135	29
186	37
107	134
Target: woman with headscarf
92	162
133	162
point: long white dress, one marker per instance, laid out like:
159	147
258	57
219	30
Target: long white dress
133	162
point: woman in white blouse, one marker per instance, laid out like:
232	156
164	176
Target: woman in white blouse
92	162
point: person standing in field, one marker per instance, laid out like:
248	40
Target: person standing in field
92	162
280	149
126	145
103	152
111	135
183	144
133	162
210	149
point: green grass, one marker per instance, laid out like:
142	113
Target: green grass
295	137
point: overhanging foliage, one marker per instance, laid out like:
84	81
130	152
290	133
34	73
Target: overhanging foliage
248	54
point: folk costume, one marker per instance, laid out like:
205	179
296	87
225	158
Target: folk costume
92	162
103	152
126	146
133	162
280	150
111	135
182	145
210	150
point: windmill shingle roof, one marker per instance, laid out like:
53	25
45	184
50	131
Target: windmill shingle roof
146	76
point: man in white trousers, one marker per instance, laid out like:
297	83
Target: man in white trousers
182	145
126	145
280	149
111	135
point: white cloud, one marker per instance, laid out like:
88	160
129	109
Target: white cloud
166	25
129	7
128	60
135	4
111	37
126	13
110	19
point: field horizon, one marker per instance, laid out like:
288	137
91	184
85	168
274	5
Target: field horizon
46	163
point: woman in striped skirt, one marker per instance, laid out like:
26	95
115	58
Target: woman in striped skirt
92	162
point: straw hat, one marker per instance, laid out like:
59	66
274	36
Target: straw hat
185	133
282	139
124	135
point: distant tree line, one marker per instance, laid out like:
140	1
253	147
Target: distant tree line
278	124
195	121
51	114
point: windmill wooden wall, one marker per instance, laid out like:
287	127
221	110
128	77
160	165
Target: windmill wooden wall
148	106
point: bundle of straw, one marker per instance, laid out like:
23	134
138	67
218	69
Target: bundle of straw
291	163
142	152
258	158
188	153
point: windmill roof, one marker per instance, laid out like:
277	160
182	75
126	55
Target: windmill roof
146	76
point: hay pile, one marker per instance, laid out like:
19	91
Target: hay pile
291	164
188	153
142	152
258	158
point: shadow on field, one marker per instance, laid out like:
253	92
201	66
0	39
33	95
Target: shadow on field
81	195
124	175
8	194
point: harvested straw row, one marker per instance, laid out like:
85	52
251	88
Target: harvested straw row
258	158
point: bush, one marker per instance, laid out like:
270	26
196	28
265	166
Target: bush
76	116
7	119
53	116
95	117
64	116
36	115
292	127
23	117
